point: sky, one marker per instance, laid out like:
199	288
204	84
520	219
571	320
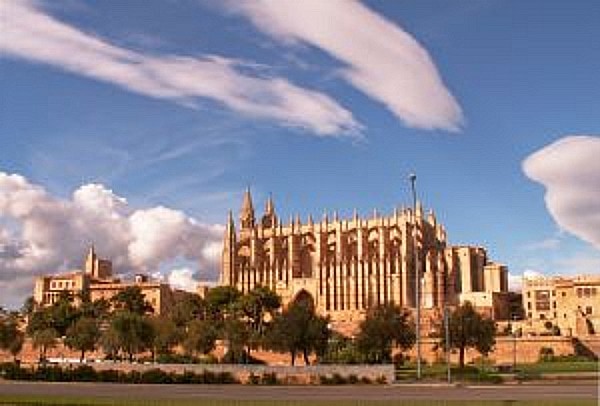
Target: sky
137	125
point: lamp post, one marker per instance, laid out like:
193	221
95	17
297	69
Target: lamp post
413	179
514	334
447	340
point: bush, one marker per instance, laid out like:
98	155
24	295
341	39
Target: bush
546	354
523	376
109	375
381	380
353	379
156	376
269	378
84	373
253	379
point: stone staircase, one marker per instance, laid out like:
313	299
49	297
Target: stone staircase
587	346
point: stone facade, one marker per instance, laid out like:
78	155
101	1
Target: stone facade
346	266
571	304
96	279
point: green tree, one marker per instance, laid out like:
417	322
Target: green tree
43	340
469	329
384	327
109	341
62	313
256	307
83	335
187	308
298	329
131	299
165	335
236	335
132	331
11	337
200	337
222	302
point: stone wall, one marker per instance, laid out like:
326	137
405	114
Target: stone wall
527	349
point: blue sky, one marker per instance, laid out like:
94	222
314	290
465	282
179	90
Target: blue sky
504	80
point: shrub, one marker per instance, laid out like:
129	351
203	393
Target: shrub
366	380
155	376
253	379
546	354
353	379
108	375
381	379
337	379
523	376
84	373
269	378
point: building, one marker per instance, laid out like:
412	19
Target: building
570	304
97	281
346	266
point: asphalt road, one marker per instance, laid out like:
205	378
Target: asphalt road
240	392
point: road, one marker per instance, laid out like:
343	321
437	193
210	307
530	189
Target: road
564	390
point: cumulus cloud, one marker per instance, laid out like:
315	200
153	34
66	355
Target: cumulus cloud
183	278
50	234
381	59
515	281
569	169
28	33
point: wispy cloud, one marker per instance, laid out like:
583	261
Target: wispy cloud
546	244
30	34
569	169
381	59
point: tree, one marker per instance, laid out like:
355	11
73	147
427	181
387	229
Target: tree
200	337
221	302
62	313
298	329
44	339
133	333
11	337
131	299
255	307
236	334
189	307
384	327
469	329
83	335
165	335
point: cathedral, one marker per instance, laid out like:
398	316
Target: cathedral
346	266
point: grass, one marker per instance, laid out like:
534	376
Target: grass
72	401
561	366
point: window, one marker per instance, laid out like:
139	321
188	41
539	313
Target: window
594	291
588	310
564	294
587	292
553	293
529	315
528	294
579	292
529	305
554	314
554	305
565	316
542	316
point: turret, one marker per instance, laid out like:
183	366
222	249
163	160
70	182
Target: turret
228	256
247	219
269	219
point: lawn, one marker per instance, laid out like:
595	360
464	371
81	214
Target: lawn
562	366
66	401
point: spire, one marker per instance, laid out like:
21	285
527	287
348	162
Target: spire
335	216
230	223
298	222
269	206
310	220
247	212
355	215
419	209
269	218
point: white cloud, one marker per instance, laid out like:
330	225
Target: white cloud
569	169
51	234
515	281
30	34
546	244
381	59
183	278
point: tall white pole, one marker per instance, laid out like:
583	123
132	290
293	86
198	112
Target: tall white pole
413	179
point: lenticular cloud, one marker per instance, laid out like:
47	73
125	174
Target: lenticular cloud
41	233
569	169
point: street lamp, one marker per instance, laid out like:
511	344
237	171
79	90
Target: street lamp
413	179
